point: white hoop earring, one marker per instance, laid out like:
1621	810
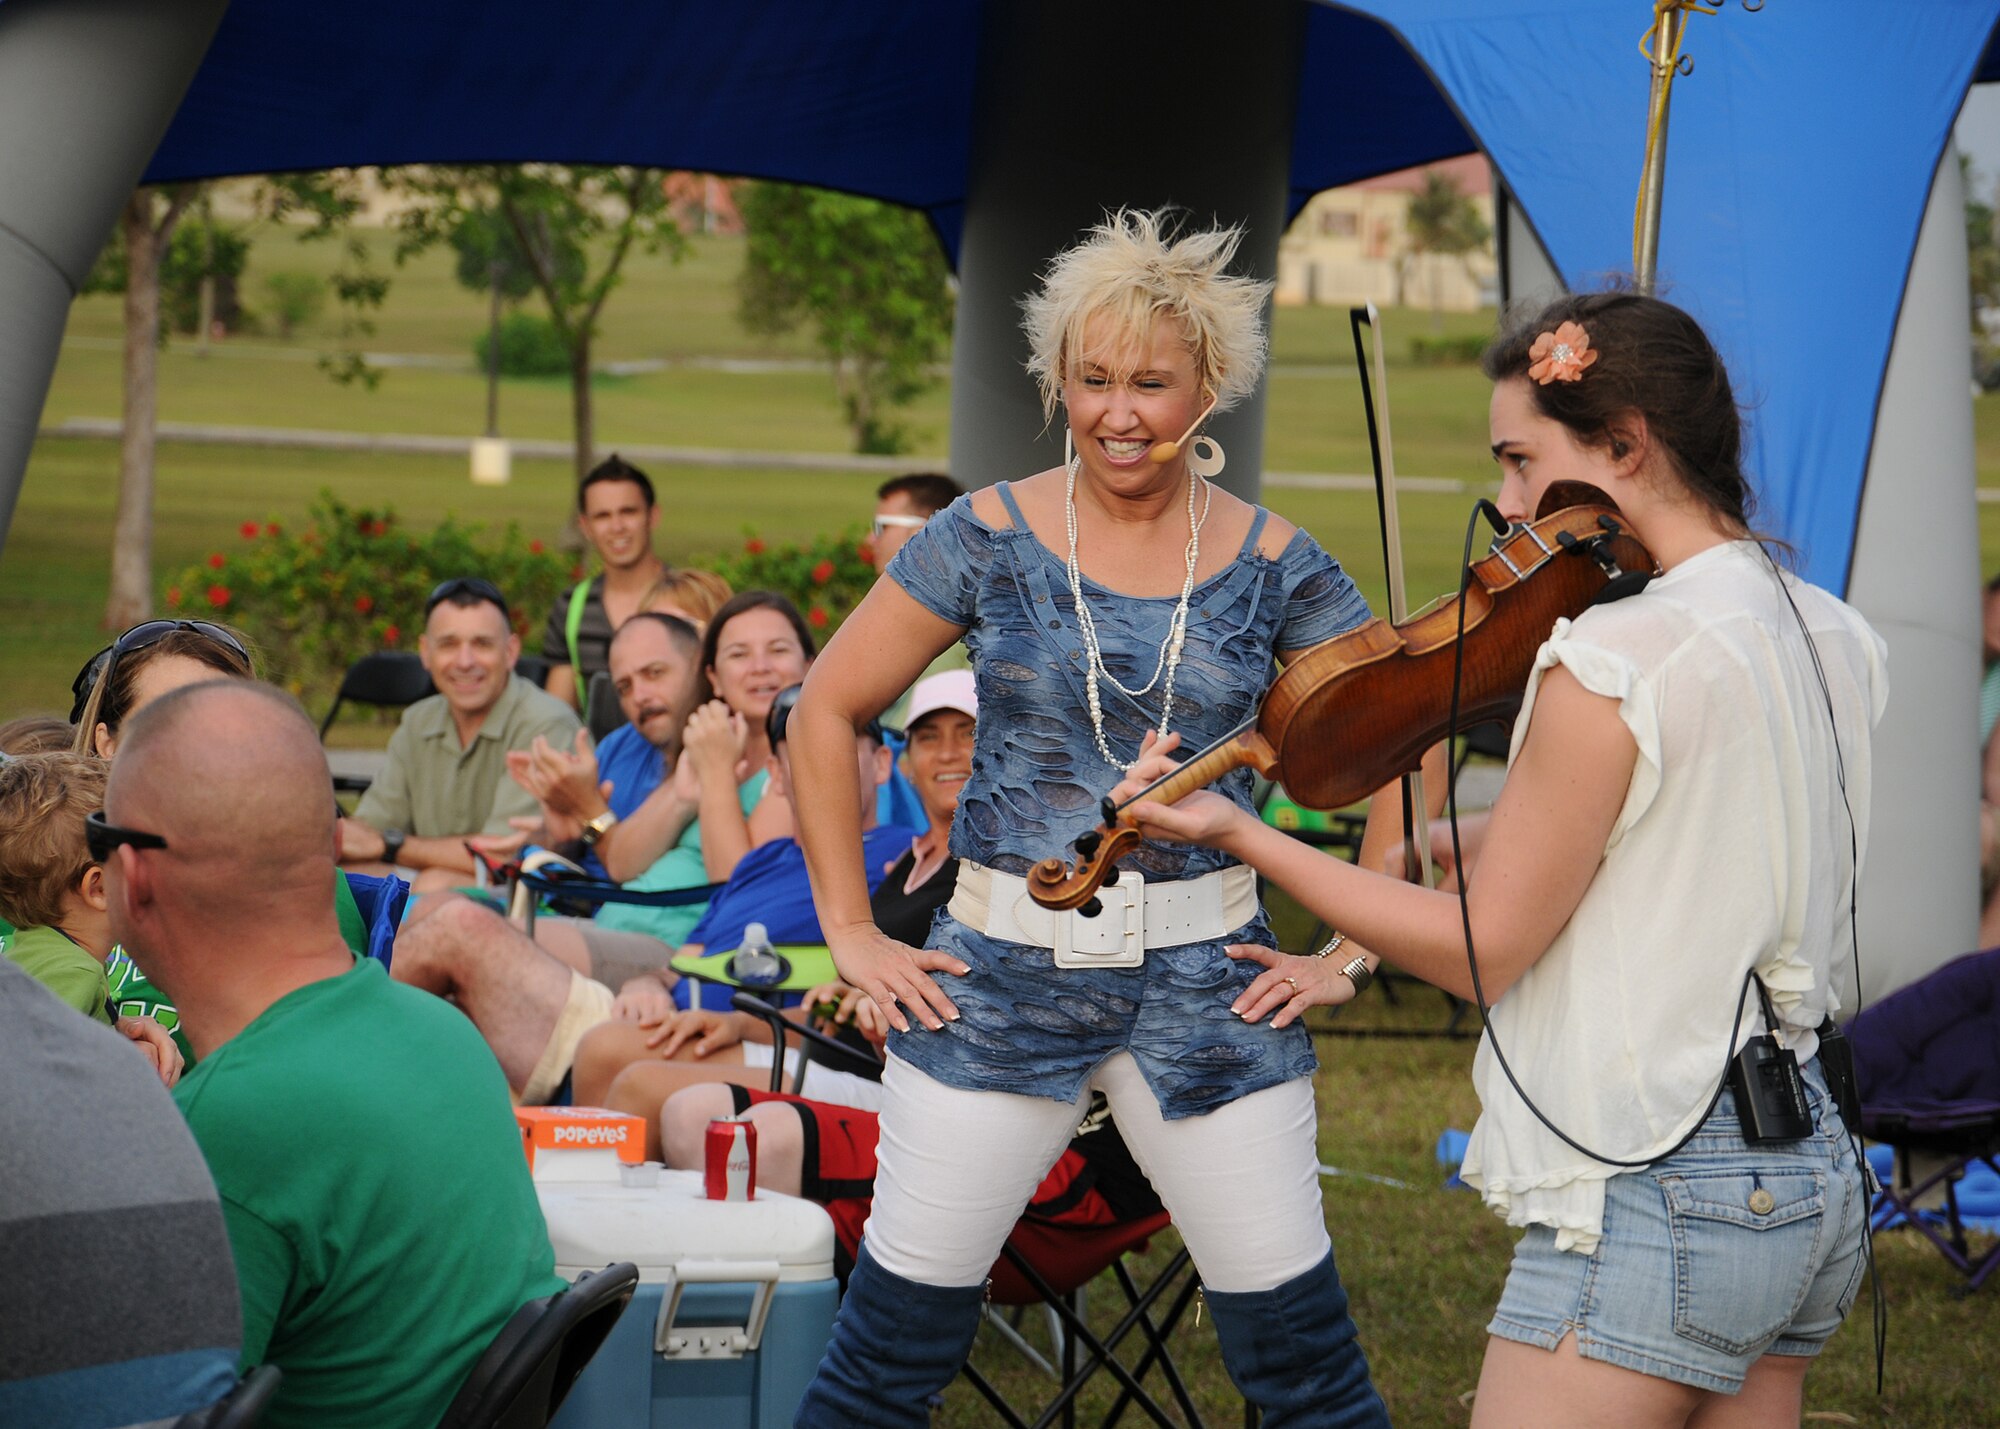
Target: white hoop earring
1069	448
1205	457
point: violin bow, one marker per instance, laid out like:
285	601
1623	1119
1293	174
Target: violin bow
1375	402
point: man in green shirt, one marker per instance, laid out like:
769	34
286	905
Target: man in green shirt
378	1204
446	776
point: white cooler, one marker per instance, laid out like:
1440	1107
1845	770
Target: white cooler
734	1307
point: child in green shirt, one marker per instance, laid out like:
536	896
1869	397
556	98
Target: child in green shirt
53	892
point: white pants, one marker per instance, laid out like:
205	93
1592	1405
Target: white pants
956	1169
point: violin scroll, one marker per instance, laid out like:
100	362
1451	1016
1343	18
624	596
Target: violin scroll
1055	884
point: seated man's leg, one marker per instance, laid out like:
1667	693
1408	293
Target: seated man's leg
611	955
531	1008
683	1122
644	1087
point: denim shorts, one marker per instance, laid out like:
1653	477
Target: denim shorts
1720	1254
1029	1027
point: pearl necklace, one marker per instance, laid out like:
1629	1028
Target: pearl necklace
1170	651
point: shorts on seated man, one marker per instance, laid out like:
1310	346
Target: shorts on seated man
378	1205
533	1008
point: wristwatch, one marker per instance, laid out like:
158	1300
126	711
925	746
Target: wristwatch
597	828
392	845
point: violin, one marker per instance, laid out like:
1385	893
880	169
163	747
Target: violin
1354	713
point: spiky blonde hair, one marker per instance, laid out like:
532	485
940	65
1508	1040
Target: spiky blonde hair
1133	269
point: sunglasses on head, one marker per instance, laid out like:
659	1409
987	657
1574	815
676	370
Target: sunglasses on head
139	637
466	585
885	524
102	837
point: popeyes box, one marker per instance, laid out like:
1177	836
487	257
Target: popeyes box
735	1300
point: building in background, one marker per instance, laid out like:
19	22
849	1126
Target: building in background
1355	245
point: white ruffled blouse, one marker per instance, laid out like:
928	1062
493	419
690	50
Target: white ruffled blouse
1730	852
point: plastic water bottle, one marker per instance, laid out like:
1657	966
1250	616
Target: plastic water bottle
755	963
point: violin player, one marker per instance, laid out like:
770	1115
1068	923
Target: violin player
1685	805
1120	593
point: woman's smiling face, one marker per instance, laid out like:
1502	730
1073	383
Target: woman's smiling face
1127	395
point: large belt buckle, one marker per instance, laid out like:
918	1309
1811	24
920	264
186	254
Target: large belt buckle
1116	937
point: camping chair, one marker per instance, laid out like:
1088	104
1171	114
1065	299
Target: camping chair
1047	1264
381	901
387	679
534	1361
542	875
1928	1062
242	1407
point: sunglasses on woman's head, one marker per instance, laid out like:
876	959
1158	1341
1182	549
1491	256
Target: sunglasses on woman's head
139	637
101	837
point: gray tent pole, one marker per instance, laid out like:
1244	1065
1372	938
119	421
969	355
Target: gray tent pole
1082	108
87	88
1915	575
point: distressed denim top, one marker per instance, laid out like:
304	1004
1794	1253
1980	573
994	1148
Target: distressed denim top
1037	779
1037	776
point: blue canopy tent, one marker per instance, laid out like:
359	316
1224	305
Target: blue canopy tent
1801	156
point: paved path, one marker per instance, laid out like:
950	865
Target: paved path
422	444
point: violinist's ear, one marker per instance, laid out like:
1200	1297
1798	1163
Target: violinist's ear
1630	440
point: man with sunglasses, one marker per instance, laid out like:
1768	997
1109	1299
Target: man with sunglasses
903	506
446	778
381	1217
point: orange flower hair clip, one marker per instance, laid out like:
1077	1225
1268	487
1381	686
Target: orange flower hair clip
1561	356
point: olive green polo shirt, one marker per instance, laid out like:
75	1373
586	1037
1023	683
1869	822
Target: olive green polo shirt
433	788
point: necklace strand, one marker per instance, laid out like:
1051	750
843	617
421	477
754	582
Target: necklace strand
1169	662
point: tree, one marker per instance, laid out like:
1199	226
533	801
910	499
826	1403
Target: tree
1982	246
146	227
490	261
1443	221
869	277
145	261
561	218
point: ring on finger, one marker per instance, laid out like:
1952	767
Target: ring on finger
1295	985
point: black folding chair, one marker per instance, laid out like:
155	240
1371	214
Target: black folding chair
534	1361
543	874
1928	1063
386	679
242	1407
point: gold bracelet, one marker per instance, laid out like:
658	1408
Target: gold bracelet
1331	943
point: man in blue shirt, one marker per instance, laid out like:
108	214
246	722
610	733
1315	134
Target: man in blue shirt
655	664
533	1006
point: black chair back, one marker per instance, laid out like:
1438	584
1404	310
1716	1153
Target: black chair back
242	1407
389	679
534	1361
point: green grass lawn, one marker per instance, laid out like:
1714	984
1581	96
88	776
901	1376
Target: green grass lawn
1424	1265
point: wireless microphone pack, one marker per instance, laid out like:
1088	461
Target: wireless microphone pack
1770	1093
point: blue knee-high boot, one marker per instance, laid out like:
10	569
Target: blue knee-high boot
895	1344
1294	1354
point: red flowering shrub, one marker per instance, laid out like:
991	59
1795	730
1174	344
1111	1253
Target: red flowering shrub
826	577
353	580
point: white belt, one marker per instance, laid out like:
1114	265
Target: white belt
1137	915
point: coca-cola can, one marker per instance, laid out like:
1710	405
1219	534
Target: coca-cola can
729	1165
